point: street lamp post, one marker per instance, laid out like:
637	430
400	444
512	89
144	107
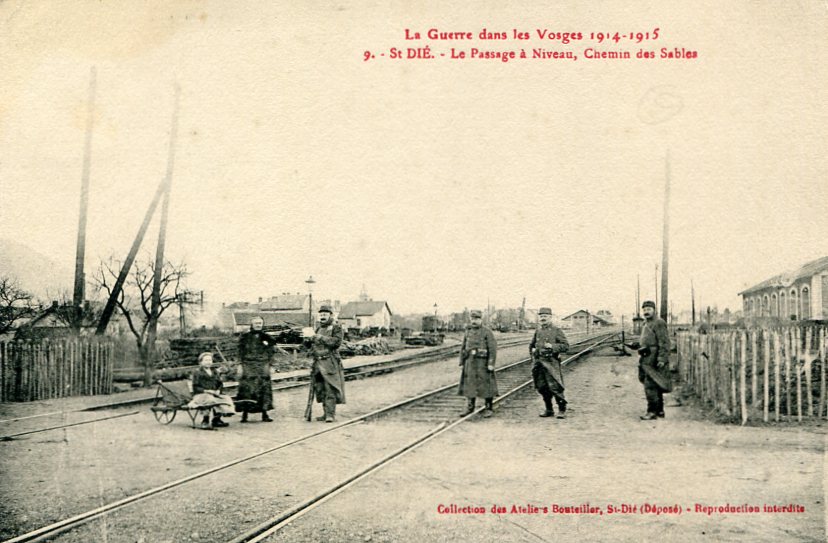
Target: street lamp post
310	283
435	317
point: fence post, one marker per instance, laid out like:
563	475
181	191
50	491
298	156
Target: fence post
766	380
3	372
788	344
754	385
742	377
777	352
809	394
731	337
795	353
822	350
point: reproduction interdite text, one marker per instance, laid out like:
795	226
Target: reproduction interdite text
620	509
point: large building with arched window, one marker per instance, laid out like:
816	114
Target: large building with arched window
799	295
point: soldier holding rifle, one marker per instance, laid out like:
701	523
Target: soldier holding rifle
546	346
654	361
327	378
477	358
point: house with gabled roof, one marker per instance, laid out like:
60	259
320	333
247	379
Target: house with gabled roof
801	294
583	320
365	314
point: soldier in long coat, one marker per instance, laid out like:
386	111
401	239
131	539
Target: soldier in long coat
546	347
478	355
256	351
654	361
326	374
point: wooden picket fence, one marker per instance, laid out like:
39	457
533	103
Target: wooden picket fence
762	373
43	369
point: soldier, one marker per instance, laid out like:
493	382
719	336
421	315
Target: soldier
256	352
654	363
477	358
547	344
326	374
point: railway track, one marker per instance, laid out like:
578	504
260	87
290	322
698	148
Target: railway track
435	399
280	384
510	378
286	383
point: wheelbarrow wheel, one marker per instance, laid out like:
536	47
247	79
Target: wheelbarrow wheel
163	412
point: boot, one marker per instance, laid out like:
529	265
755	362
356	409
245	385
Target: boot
549	412
244	416
205	422
469	407
330	409
660	408
651	412
562	410
489	411
218	423
266	418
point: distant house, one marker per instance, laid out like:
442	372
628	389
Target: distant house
798	295
582	319
240	320
292	309
365	314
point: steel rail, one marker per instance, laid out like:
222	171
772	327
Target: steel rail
292	382
10	437
269	527
48	532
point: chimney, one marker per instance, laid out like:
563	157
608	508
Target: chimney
260	299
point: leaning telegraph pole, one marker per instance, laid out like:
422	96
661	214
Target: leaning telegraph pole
162	240
80	253
665	247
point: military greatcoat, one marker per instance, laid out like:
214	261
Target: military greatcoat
327	371
654	351
546	371
479	351
256	351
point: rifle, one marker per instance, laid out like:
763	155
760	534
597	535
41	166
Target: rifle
309	407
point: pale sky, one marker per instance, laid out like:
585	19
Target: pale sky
429	181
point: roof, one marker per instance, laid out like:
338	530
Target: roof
284	302
786	279
595	317
352	310
243	318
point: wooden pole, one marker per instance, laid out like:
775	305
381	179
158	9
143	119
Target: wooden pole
795	352
777	380
822	350
665	240
809	395
78	295
106	314
766	383
159	251
788	344
754	384
743	378
733	401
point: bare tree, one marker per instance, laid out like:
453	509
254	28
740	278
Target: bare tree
16	304
134	301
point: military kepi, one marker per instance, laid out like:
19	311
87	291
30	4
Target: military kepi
544	311
476	313
648	303
325	309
